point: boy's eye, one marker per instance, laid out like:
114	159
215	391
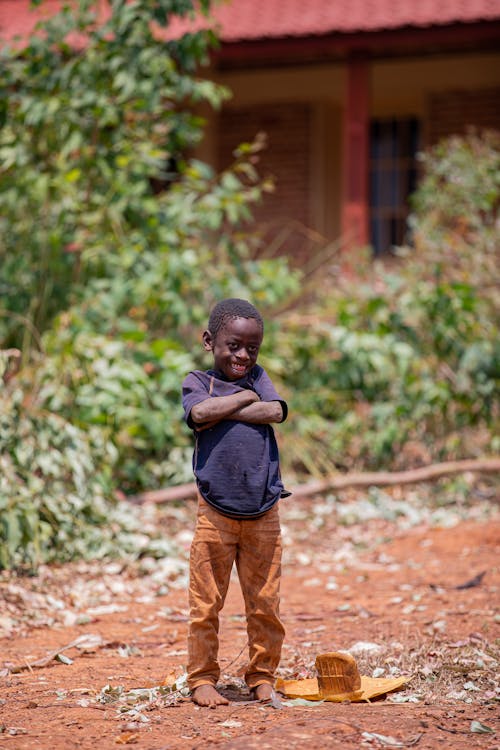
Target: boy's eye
235	346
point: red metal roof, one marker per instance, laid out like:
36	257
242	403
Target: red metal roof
272	19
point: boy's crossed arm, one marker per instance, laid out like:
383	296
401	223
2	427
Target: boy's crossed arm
244	406
259	412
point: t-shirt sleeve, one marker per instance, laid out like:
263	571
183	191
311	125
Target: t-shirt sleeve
194	391
264	388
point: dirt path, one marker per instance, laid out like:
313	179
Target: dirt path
383	587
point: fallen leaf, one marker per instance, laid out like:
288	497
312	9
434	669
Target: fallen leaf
14	731
364	647
169	679
301	702
478	728
64	659
383	739
127	738
105	609
412	698
470	686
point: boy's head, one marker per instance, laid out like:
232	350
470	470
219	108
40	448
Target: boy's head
230	308
234	335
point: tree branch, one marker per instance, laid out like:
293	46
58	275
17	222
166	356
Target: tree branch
368	479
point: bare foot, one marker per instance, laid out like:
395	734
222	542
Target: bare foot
263	692
207	695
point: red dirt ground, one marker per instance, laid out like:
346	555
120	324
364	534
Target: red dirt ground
384	591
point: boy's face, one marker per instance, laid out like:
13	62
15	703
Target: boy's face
235	347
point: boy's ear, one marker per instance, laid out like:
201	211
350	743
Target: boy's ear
208	343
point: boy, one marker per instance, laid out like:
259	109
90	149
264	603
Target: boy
236	463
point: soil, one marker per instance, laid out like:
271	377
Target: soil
418	598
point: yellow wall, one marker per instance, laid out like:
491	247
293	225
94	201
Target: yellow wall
401	83
399	87
402	86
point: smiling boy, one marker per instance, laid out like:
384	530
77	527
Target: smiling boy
236	463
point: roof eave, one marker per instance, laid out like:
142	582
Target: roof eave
409	41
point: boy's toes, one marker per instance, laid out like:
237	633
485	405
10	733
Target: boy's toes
263	692
207	695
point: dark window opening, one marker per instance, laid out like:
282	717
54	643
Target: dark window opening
394	144
169	175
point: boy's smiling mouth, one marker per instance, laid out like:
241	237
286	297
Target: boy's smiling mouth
239	369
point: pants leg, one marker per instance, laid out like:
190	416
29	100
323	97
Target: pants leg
258	561
213	551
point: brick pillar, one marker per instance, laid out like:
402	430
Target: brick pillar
355	151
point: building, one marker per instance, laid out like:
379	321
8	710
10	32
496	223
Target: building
347	91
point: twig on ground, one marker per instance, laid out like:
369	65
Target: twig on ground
83	641
452	731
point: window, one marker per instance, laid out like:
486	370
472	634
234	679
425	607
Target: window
393	177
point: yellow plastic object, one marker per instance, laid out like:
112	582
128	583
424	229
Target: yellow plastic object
371	687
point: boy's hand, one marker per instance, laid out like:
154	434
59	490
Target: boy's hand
215	408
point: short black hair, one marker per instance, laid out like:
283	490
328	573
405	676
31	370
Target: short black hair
230	308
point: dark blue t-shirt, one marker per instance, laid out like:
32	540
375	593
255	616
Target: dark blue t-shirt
236	464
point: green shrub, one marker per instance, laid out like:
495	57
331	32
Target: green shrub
56	487
405	364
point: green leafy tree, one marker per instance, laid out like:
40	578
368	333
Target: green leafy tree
93	110
113	244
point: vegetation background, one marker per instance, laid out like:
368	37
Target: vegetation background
113	246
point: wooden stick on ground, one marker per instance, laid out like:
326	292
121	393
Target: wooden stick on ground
85	641
343	481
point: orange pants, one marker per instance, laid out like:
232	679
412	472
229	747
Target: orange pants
255	546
